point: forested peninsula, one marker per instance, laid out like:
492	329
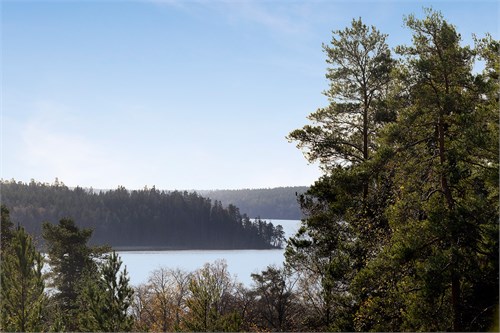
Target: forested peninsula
139	219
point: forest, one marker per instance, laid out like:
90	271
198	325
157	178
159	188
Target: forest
278	203
139	219
400	233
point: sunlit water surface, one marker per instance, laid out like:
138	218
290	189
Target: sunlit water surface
241	263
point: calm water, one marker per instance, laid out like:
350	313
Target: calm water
241	263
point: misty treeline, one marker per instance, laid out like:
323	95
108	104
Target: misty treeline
399	234
139	219
270	203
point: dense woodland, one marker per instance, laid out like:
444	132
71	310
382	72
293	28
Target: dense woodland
146	218
269	203
399	234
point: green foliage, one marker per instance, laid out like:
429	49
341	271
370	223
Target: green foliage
405	237
105	301
344	224
70	259
442	215
344	131
22	285
6	232
323	252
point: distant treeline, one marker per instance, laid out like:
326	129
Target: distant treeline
139	219
269	203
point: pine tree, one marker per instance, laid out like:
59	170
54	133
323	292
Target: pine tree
6	232
344	223
70	259
441	259
359	76
106	300
22	286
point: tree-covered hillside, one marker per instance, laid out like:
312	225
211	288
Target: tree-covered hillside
269	203
147	218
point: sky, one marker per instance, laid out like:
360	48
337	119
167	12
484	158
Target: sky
178	94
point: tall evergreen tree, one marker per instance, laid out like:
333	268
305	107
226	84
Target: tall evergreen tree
440	269
359	75
104	302
22	286
6	232
69	258
339	208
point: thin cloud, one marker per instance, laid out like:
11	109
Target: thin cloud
50	150
283	19
287	18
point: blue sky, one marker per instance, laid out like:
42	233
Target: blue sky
178	94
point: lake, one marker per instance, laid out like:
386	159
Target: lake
241	263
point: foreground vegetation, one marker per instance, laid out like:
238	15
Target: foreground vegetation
86	289
400	234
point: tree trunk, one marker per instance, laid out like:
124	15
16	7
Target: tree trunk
365	143
455	300
455	279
